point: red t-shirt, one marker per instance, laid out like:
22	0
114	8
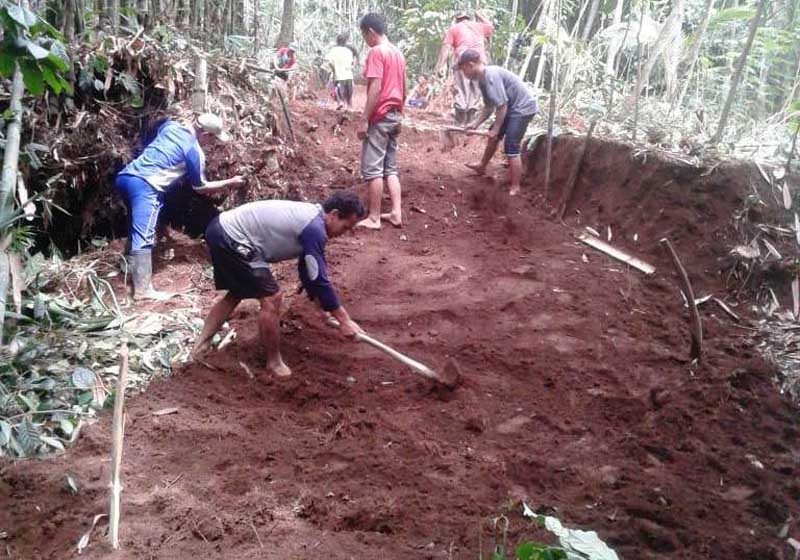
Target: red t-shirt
386	62
468	35
286	58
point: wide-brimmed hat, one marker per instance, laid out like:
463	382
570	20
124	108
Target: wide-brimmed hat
211	123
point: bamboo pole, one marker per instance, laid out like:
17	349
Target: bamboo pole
696	326
737	74
553	90
8	185
118	430
200	90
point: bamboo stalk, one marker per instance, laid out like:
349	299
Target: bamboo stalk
8	186
118	429
696	326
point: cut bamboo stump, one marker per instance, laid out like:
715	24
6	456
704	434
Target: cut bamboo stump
200	89
696	327
118	429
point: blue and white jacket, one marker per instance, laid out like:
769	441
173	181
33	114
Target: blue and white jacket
172	155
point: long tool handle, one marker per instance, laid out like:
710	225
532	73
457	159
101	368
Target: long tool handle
470	132
422	369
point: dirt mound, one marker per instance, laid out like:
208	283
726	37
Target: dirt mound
578	396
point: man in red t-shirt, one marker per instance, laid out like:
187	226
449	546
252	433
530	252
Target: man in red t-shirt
460	37
384	70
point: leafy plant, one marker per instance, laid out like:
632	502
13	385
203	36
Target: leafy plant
36	46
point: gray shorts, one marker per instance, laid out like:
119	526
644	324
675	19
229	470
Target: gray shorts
379	148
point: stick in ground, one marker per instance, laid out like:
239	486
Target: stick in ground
696	326
118	428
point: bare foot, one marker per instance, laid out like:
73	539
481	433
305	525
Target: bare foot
514	191
369	223
280	369
200	350
477	168
393	219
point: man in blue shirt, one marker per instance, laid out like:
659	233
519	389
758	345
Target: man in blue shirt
243	242
173	155
513	105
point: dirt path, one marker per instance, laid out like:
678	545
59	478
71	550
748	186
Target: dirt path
578	398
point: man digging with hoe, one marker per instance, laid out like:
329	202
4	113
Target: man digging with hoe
243	242
514	107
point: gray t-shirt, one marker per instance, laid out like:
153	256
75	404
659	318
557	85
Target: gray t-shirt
501	87
273	227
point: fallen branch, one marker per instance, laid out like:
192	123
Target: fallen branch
727	309
618	254
573	176
696	326
118	429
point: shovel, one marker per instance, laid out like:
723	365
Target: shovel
451	371
447	136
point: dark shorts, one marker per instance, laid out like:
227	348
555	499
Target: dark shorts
513	130
232	266
344	90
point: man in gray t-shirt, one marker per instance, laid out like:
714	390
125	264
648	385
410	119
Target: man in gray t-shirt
244	241
513	105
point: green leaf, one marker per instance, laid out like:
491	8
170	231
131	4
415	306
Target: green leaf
21	15
41	27
85	398
53	82
52	442
527	550
83	378
5	433
37	51
66	427
6	63
28	436
32	76
66	87
59	56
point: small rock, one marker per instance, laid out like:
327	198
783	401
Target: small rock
350	379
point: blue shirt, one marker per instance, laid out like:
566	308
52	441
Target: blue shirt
172	155
278	230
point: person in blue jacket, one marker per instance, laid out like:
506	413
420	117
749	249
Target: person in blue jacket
244	241
174	155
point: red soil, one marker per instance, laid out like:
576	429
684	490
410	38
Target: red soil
578	396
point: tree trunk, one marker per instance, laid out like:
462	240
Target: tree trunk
694	52
80	13
587	28
737	74
611	55
8	185
286	34
101	7
113	14
69	21
666	39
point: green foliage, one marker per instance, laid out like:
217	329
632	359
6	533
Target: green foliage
36	46
535	551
